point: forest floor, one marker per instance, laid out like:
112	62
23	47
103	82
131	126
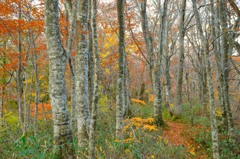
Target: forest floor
178	139
179	134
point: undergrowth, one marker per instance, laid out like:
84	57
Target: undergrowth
142	139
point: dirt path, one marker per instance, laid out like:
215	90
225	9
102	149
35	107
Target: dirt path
178	134
174	134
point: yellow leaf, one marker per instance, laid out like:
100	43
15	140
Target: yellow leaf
219	112
192	152
127	151
138	101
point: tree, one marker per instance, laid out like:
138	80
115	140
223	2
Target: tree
225	47
71	11
83	114
57	66
96	75
148	41
182	30
157	90
19	71
214	129
121	69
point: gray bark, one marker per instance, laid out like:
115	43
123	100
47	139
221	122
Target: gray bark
83	114
90	56
25	124
148	40
37	91
214	129
157	90
19	73
57	89
73	97
226	66
121	66
167	72
71	8
219	66
126	93
95	83
178	106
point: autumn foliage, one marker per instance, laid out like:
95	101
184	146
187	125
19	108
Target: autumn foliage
44	110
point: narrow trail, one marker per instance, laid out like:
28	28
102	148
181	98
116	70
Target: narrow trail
174	134
177	134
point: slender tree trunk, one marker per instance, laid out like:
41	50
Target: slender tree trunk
214	129
73	97
30	100
37	90
19	72
205	89
219	68
83	114
90	57
57	67
157	90
126	93
182	29
121	66
188	97
95	83
167	73
2	88
25	124
71	11
226	66
148	41
1	106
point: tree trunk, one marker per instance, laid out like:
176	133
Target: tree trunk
73	98
25	124
226	65
37	91
219	67
19	72
121	75
95	83
90	57
71	11
167	73
126	93
83	114
148	41
57	66
157	90
214	129
178	106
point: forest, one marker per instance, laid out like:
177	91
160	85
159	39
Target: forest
119	79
